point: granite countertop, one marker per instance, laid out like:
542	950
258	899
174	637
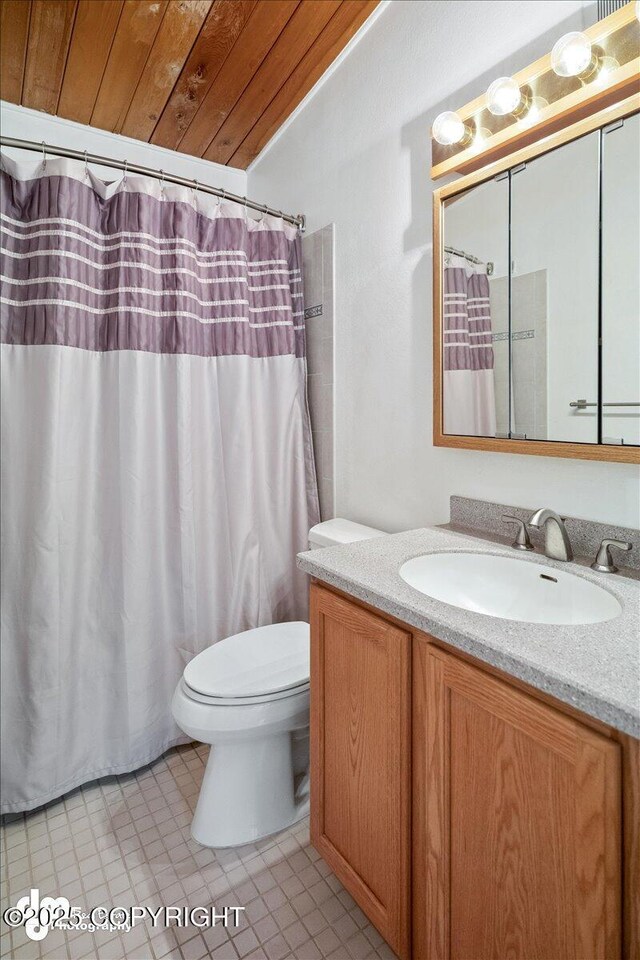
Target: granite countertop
594	667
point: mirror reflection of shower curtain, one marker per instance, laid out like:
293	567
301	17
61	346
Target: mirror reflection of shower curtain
468	386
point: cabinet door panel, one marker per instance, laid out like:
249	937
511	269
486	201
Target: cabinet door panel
519	851
360	745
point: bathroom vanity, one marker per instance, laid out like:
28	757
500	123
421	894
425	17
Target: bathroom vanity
475	780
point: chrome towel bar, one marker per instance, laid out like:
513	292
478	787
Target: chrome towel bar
581	404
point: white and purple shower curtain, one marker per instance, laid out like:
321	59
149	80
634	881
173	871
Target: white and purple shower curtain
469	405
157	468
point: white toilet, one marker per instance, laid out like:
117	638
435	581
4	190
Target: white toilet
248	696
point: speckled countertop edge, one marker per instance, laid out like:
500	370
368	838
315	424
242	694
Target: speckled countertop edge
593	667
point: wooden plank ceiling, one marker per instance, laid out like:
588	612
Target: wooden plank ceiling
211	78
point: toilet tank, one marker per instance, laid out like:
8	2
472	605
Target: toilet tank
330	533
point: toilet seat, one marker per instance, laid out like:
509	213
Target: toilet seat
242	701
256	666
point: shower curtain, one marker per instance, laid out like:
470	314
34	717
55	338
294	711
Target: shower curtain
469	404
157	467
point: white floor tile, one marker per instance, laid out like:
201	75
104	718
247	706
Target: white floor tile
125	841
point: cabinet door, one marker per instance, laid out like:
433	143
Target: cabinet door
517	839
360	758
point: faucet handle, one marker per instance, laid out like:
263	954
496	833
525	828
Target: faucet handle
522	541
603	562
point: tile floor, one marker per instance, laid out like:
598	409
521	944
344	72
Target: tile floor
125	841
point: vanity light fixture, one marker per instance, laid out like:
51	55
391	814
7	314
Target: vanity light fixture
505	96
583	74
574	56
449	129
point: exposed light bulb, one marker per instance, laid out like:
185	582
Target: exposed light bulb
449	128
504	96
572	56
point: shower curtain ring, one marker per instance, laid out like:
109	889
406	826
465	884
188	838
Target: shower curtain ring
124	178
44	156
221	196
162	183
195	187
86	165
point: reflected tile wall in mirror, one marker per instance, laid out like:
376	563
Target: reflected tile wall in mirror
529	354
499	299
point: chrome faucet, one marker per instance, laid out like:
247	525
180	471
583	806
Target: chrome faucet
557	545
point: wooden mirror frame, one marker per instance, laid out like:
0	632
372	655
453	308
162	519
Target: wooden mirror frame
542	448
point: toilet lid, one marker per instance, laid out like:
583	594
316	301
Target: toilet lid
254	663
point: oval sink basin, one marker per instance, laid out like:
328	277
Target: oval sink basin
510	588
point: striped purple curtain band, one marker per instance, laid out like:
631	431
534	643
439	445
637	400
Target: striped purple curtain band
467	321
136	273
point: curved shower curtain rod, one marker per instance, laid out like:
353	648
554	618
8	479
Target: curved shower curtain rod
297	220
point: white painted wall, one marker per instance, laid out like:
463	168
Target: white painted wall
26	124
358	155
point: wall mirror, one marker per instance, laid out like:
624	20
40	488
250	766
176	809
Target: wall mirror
537	309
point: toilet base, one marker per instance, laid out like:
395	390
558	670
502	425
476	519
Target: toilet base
247	793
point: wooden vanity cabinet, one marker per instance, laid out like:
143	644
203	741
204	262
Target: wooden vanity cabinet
517	841
470	817
360	760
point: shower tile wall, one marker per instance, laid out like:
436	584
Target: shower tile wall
499	296
529	353
317	260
